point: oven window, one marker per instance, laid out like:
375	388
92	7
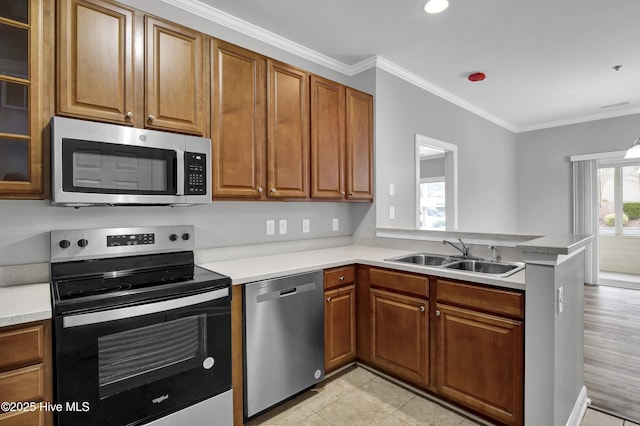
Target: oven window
136	357
108	168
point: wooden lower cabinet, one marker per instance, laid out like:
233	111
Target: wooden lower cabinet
339	327
400	335
479	355
26	372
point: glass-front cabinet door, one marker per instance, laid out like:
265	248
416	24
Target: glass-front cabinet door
21	115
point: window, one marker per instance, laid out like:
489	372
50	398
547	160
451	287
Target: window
619	199
432	203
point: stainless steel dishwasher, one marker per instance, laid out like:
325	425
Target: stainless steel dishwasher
283	339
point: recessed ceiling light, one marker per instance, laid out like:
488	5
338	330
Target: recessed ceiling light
436	6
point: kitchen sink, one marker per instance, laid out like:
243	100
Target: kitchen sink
485	267
498	269
423	259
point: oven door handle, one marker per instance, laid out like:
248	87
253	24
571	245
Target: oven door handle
136	311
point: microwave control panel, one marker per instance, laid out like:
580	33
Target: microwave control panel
195	170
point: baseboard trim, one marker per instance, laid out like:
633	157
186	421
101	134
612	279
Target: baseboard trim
575	419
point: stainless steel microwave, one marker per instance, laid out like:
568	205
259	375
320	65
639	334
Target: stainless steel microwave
96	164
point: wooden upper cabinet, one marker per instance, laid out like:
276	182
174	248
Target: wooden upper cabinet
117	65
328	148
287	131
26	77
95	60
175	78
238	122
359	145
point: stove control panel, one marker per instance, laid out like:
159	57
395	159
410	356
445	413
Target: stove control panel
79	244
130	239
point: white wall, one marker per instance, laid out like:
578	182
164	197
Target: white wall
486	154
544	171
25	225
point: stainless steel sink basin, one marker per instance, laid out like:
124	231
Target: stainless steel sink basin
423	259
497	269
484	267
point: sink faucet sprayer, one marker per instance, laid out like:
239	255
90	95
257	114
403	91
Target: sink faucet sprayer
464	250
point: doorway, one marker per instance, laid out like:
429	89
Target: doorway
619	223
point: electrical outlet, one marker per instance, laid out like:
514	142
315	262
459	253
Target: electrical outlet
335	224
392	189
305	226
392	212
271	227
282	226
560	300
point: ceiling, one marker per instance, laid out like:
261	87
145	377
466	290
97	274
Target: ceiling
548	62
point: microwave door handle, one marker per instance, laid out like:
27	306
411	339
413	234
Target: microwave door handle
180	173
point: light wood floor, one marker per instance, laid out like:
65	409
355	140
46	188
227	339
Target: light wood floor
612	349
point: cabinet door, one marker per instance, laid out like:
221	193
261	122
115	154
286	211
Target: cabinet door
400	335
359	145
327	139
287	131
239	122
339	327
25	78
175	84
95	61
480	362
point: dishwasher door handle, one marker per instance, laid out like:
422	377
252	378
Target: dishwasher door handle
288	292
291	291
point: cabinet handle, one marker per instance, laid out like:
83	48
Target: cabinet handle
129	114
328	299
341	192
151	117
273	190
260	189
437	313
422	309
341	278
351	194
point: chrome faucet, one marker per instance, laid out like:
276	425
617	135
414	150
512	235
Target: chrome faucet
464	250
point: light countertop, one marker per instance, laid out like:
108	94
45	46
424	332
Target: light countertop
32	302
24	303
244	271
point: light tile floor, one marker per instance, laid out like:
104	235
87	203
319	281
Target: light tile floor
359	397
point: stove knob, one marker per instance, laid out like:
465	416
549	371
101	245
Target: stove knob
64	244
186	236
173	237
83	243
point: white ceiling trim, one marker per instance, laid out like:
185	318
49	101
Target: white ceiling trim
416	80
219	17
229	21
579	120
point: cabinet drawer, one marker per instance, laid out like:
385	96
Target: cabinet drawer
337	277
485	299
24	384
400	282
22	418
21	346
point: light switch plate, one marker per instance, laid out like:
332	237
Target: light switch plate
271	227
392	212
335	224
392	189
282	229
305	226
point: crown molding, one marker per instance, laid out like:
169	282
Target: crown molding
416	80
227	20
578	120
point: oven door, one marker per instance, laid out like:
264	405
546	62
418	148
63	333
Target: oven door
130	365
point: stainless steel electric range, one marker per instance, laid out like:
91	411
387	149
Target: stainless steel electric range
141	334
